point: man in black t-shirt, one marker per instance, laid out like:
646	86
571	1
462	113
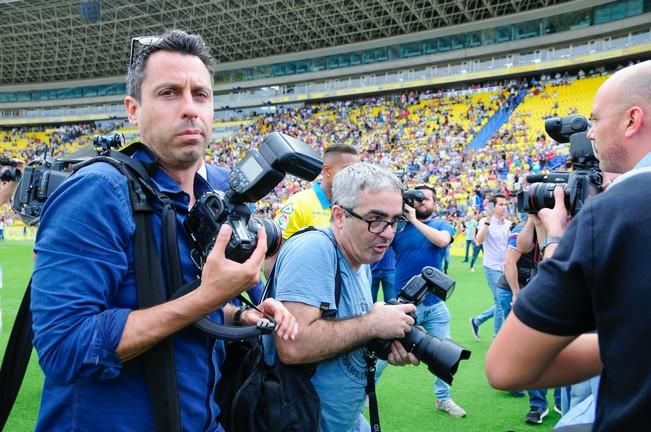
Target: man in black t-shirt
597	276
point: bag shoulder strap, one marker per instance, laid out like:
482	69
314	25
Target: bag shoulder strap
326	312
159	363
16	358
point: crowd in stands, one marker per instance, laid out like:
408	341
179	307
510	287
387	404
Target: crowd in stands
424	136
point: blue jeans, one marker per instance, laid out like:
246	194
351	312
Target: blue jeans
495	311
504	298
475	253
435	319
538	398
446	260
468	244
387	277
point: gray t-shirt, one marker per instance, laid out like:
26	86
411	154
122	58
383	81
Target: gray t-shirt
305	273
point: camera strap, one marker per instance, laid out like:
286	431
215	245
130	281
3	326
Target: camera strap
325	311
159	363
373	411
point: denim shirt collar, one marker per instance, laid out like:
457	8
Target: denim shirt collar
168	185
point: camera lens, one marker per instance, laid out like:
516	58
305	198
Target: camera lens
541	195
274	234
442	356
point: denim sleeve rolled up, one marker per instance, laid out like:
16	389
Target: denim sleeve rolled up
83	289
81	261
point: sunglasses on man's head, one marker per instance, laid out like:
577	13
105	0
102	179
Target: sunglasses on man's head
137	44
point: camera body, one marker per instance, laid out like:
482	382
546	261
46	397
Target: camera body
42	176
411	196
251	179
442	357
579	185
10	173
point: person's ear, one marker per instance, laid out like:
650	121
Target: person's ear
326	170
635	121
338	215
132	106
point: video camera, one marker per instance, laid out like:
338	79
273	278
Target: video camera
251	179
42	176
411	196
442	357
11	173
579	185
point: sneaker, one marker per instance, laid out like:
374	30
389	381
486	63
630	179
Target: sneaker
475	328
558	409
472	269
535	415
450	407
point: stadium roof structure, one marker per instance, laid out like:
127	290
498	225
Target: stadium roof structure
58	40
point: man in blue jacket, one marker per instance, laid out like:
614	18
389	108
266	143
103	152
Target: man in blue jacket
88	331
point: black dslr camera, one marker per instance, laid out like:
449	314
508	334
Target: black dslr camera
42	176
411	196
251	179
11	173
442	357
579	185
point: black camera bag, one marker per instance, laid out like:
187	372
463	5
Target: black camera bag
256	397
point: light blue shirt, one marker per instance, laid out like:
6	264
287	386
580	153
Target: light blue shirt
305	273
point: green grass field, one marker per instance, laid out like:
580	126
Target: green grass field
405	395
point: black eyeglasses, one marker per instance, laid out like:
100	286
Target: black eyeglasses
377	226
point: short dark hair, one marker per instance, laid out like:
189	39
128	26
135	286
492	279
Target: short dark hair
176	41
494	197
340	149
427	186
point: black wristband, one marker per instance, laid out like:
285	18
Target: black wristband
237	316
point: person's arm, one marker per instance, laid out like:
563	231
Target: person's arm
511	270
525	241
555	222
83	294
7	192
221	280
8	189
439	238
286	325
482	228
320	338
523	358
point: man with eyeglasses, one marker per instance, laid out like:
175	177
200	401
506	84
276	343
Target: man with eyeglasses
423	243
366	211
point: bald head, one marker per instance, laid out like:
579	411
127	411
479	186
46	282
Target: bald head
621	119
632	85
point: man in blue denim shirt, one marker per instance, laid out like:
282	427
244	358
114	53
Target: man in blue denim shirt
87	330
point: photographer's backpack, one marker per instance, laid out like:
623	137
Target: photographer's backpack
254	396
150	285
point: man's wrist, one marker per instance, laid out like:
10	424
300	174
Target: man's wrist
549	240
237	316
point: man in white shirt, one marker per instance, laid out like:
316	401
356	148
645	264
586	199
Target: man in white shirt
493	235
